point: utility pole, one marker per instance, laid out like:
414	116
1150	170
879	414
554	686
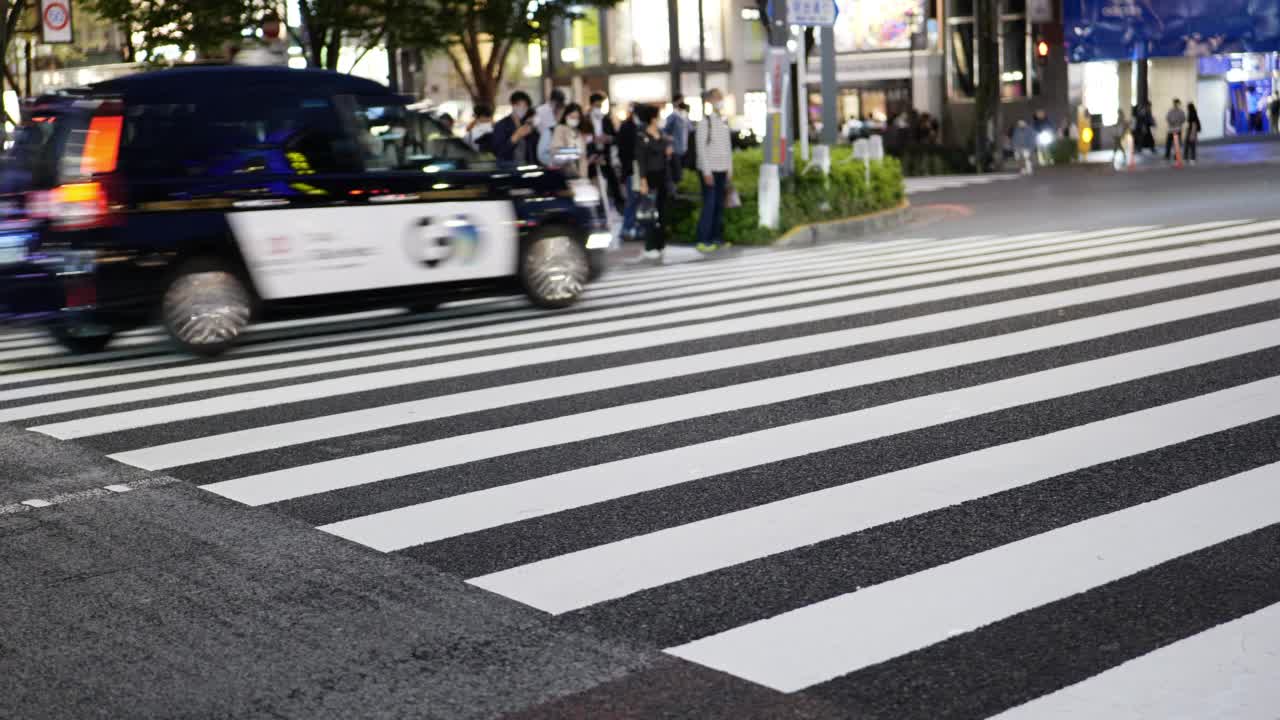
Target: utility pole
702	52
830	119
777	69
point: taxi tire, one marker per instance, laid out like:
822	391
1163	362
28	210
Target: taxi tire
206	307
554	268
81	344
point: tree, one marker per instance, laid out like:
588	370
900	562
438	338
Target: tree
206	27
481	34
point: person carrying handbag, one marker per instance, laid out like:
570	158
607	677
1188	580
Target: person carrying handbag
653	159
715	167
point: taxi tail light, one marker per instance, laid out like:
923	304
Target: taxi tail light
85	205
77	206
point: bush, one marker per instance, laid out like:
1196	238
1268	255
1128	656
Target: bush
1063	151
807	197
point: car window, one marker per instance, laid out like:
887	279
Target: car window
32	160
392	137
276	133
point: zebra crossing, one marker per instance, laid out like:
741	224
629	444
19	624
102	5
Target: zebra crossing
1027	476
933	183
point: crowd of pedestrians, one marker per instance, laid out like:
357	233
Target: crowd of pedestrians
639	162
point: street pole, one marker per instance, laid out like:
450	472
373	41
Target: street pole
830	119
769	192
802	96
702	51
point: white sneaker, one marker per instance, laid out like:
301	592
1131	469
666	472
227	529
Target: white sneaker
654	256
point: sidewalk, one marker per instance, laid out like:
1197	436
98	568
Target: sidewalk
1251	150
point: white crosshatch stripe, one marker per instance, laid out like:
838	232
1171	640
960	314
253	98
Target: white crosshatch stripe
767	318
818	642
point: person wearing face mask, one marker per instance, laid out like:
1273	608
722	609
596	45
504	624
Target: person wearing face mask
568	147
677	128
515	140
480	131
603	137
715	165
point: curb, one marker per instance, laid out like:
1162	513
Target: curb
815	233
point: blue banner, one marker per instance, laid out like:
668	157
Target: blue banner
1132	29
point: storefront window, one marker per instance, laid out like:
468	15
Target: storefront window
712	25
1013	59
756	41
963	59
638	33
581	46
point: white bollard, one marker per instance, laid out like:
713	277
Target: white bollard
769	196
822	158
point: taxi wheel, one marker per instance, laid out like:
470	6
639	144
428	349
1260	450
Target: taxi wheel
206	307
81	343
554	269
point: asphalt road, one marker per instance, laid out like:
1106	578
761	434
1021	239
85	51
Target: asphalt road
1018	458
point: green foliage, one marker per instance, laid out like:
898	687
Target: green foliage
482	34
806	198
1063	151
205	26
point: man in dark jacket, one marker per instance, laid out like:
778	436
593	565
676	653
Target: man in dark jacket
627	158
514	138
603	137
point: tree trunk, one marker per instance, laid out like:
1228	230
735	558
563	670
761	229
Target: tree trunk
987	100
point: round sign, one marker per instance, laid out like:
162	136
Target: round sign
56	16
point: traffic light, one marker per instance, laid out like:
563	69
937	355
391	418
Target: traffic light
1042	51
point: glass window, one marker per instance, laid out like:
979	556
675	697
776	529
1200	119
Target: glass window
1013	7
963	68
961	8
712	25
756	41
639	33
1013	59
393	138
582	38
258	132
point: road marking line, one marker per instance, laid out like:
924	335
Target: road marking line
819	642
620	568
256	439
110	422
1232	670
741	451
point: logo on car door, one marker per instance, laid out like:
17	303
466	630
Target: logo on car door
436	241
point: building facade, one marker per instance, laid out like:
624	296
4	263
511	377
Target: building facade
891	56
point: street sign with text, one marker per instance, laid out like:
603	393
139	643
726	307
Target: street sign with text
812	13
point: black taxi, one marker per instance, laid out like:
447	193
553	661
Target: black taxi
205	198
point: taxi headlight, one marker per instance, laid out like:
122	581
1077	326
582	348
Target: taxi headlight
599	241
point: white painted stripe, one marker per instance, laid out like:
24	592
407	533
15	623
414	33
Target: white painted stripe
835	637
56	366
747	287
693	330
766	260
257	439
671	467
1229	671
145	337
628	566
736	452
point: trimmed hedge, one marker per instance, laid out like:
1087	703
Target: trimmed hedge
807	197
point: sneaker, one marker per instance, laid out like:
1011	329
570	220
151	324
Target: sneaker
653	256
706	247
